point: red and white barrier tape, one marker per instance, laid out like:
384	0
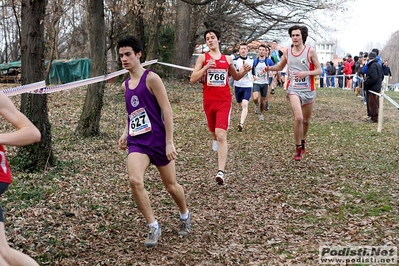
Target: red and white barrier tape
40	87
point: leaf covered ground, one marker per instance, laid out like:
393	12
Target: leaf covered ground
273	210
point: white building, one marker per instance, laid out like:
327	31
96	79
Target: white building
325	51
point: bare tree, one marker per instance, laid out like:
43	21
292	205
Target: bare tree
157	10
242	20
89	122
390	52
182	36
34	106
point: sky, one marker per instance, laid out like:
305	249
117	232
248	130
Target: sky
369	22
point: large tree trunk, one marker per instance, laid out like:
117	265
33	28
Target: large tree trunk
89	123
182	38
157	9
135	22
39	155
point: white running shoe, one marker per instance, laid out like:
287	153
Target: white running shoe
215	145
153	235
220	178
261	118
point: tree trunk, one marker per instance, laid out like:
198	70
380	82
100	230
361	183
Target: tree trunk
153	27
182	38
135	22
89	123
39	155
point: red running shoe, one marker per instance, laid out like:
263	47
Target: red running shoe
298	154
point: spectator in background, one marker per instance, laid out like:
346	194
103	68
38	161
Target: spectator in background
359	74
355	66
333	72
372	82
348	71
340	74
387	75
323	72
328	71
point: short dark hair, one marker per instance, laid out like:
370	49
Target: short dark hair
375	50
217	33
262	45
304	31
130	41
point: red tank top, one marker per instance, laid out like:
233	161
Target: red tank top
5	173
216	80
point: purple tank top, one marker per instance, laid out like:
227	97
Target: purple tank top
144	116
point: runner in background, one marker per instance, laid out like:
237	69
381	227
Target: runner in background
243	86
213	69
261	80
303	68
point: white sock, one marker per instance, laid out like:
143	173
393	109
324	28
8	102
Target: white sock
153	224
184	216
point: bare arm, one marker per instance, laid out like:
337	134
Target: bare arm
122	142
155	84
26	134
277	67
199	68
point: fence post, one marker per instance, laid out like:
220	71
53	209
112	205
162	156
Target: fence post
380	112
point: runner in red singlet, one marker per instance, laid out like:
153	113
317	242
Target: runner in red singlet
212	69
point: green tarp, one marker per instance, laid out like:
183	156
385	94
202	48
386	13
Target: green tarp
61	71
16	64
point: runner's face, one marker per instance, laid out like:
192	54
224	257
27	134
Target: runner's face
243	50
211	40
262	51
128	58
296	37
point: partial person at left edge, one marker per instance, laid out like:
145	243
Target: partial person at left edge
25	134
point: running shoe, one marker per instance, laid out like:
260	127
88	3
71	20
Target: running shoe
240	127
303	147
215	145
298	154
220	177
185	226
272	91
256	109
261	118
153	234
